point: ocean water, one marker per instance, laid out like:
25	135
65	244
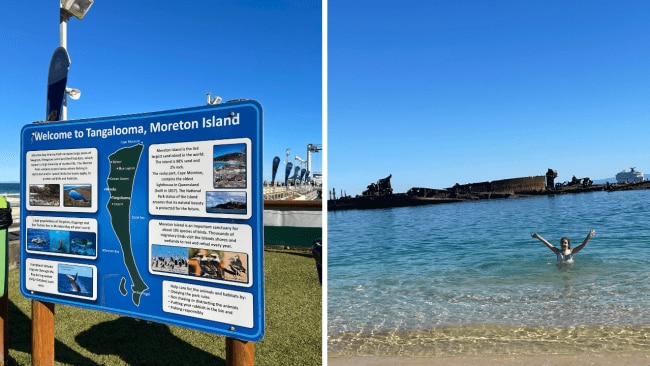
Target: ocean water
10	188
467	278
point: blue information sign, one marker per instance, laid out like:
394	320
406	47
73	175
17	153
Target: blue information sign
155	216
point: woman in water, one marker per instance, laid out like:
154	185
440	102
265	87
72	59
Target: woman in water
565	253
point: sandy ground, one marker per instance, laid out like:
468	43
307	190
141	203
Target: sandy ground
635	359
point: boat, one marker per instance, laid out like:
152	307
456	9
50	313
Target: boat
633	176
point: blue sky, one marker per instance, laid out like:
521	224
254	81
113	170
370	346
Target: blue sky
220	150
443	92
131	57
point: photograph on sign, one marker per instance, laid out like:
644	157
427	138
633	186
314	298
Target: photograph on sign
156	216
225	202
79	195
62	236
230	166
44	195
61	180
209	264
80	280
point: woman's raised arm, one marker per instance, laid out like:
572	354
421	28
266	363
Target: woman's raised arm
579	247
546	242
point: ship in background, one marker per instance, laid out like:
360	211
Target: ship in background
633	176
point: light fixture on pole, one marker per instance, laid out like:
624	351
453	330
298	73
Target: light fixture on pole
74	94
212	101
76	8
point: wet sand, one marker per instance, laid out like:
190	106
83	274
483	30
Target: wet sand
494	345
595	359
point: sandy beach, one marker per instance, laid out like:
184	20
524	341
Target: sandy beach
595	359
489	345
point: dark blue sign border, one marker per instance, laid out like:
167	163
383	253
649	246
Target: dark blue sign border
75	250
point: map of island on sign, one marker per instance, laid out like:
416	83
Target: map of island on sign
123	165
156	216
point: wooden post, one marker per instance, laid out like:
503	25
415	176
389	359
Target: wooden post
4	299
4	328
239	353
42	333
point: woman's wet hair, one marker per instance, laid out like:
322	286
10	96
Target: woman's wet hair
567	240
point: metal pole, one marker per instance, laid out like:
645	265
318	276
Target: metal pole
63	42
63	32
43	312
4	300
309	157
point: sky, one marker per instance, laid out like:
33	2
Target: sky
444	92
143	56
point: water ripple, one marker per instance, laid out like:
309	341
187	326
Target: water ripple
409	270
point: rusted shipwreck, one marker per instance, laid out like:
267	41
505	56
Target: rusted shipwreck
380	194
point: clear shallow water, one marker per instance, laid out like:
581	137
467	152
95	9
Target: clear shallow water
401	273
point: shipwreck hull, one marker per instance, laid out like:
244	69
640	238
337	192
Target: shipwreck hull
390	201
541	185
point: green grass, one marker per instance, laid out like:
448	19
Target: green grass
293	334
